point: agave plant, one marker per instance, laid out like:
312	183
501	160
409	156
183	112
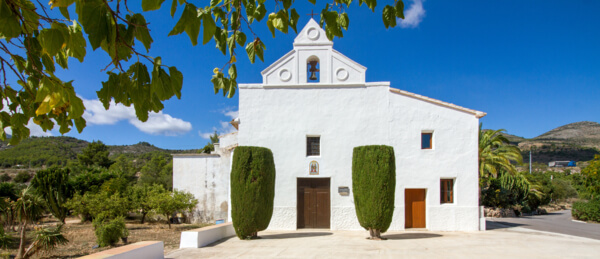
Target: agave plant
45	240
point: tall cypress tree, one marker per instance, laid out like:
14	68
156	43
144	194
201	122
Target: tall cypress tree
374	186
252	190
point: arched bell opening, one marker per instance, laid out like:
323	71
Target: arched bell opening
312	69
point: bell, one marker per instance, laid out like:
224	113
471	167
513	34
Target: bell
313	69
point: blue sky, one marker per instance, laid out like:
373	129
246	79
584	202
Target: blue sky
531	65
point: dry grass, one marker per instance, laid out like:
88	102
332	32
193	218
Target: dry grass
82	239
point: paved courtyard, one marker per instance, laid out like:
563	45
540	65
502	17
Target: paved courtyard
501	242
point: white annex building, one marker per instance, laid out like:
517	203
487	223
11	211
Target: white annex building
312	108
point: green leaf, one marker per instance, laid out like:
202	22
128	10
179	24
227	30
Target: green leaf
209	28
151	5
371	4
214	3
189	22
9	22
294	20
76	45
221	40
80	124
176	81
141	31
287	4
389	16
48	63
232	72
174	8
343	21
251	52
260	12
93	16
270	26
400	9
51	40
240	37
313	1
280	21
19	62
65	12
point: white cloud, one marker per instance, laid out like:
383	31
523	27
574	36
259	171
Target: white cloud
34	129
157	123
413	15
224	126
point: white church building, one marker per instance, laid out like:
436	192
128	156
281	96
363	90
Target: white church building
311	109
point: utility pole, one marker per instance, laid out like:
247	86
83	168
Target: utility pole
529	161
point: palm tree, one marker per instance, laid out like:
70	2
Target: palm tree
496	153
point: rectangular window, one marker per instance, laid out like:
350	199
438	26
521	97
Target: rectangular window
447	191
427	140
313	146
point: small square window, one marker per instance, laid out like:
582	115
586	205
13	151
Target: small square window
427	140
447	191
313	146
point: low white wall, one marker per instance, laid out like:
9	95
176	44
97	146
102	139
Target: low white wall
205	236
144	249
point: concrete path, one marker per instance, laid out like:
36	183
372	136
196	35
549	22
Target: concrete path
502	242
557	222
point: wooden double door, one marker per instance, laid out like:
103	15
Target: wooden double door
314	207
414	208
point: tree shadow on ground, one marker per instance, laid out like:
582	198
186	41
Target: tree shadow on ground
411	236
296	235
491	225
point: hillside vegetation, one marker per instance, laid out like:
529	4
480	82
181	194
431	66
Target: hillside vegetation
578	141
37	152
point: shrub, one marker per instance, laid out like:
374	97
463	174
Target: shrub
109	233
5	239
22	177
374	184
5	177
252	190
587	211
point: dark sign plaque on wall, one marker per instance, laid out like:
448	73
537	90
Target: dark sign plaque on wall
344	190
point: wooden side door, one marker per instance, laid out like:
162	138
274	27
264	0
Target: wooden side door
414	208
313	203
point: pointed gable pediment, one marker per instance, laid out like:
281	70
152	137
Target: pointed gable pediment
312	44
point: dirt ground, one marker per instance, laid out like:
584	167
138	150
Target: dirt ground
82	239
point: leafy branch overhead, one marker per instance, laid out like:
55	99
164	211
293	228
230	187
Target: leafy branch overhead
35	38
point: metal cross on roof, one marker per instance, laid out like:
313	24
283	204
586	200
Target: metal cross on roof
312	14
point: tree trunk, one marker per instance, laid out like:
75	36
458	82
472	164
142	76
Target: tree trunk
144	216
375	234
21	253
168	220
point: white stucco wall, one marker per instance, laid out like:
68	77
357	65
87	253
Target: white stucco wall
347	117
204	176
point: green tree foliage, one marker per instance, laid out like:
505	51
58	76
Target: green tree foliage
167	203
591	175
22	177
53	186
40	151
109	231
35	43
124	167
95	154
90	180
142	198
587	210
103	205
9	190
374	185
496	153
5	239
159	170
211	145
252	190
